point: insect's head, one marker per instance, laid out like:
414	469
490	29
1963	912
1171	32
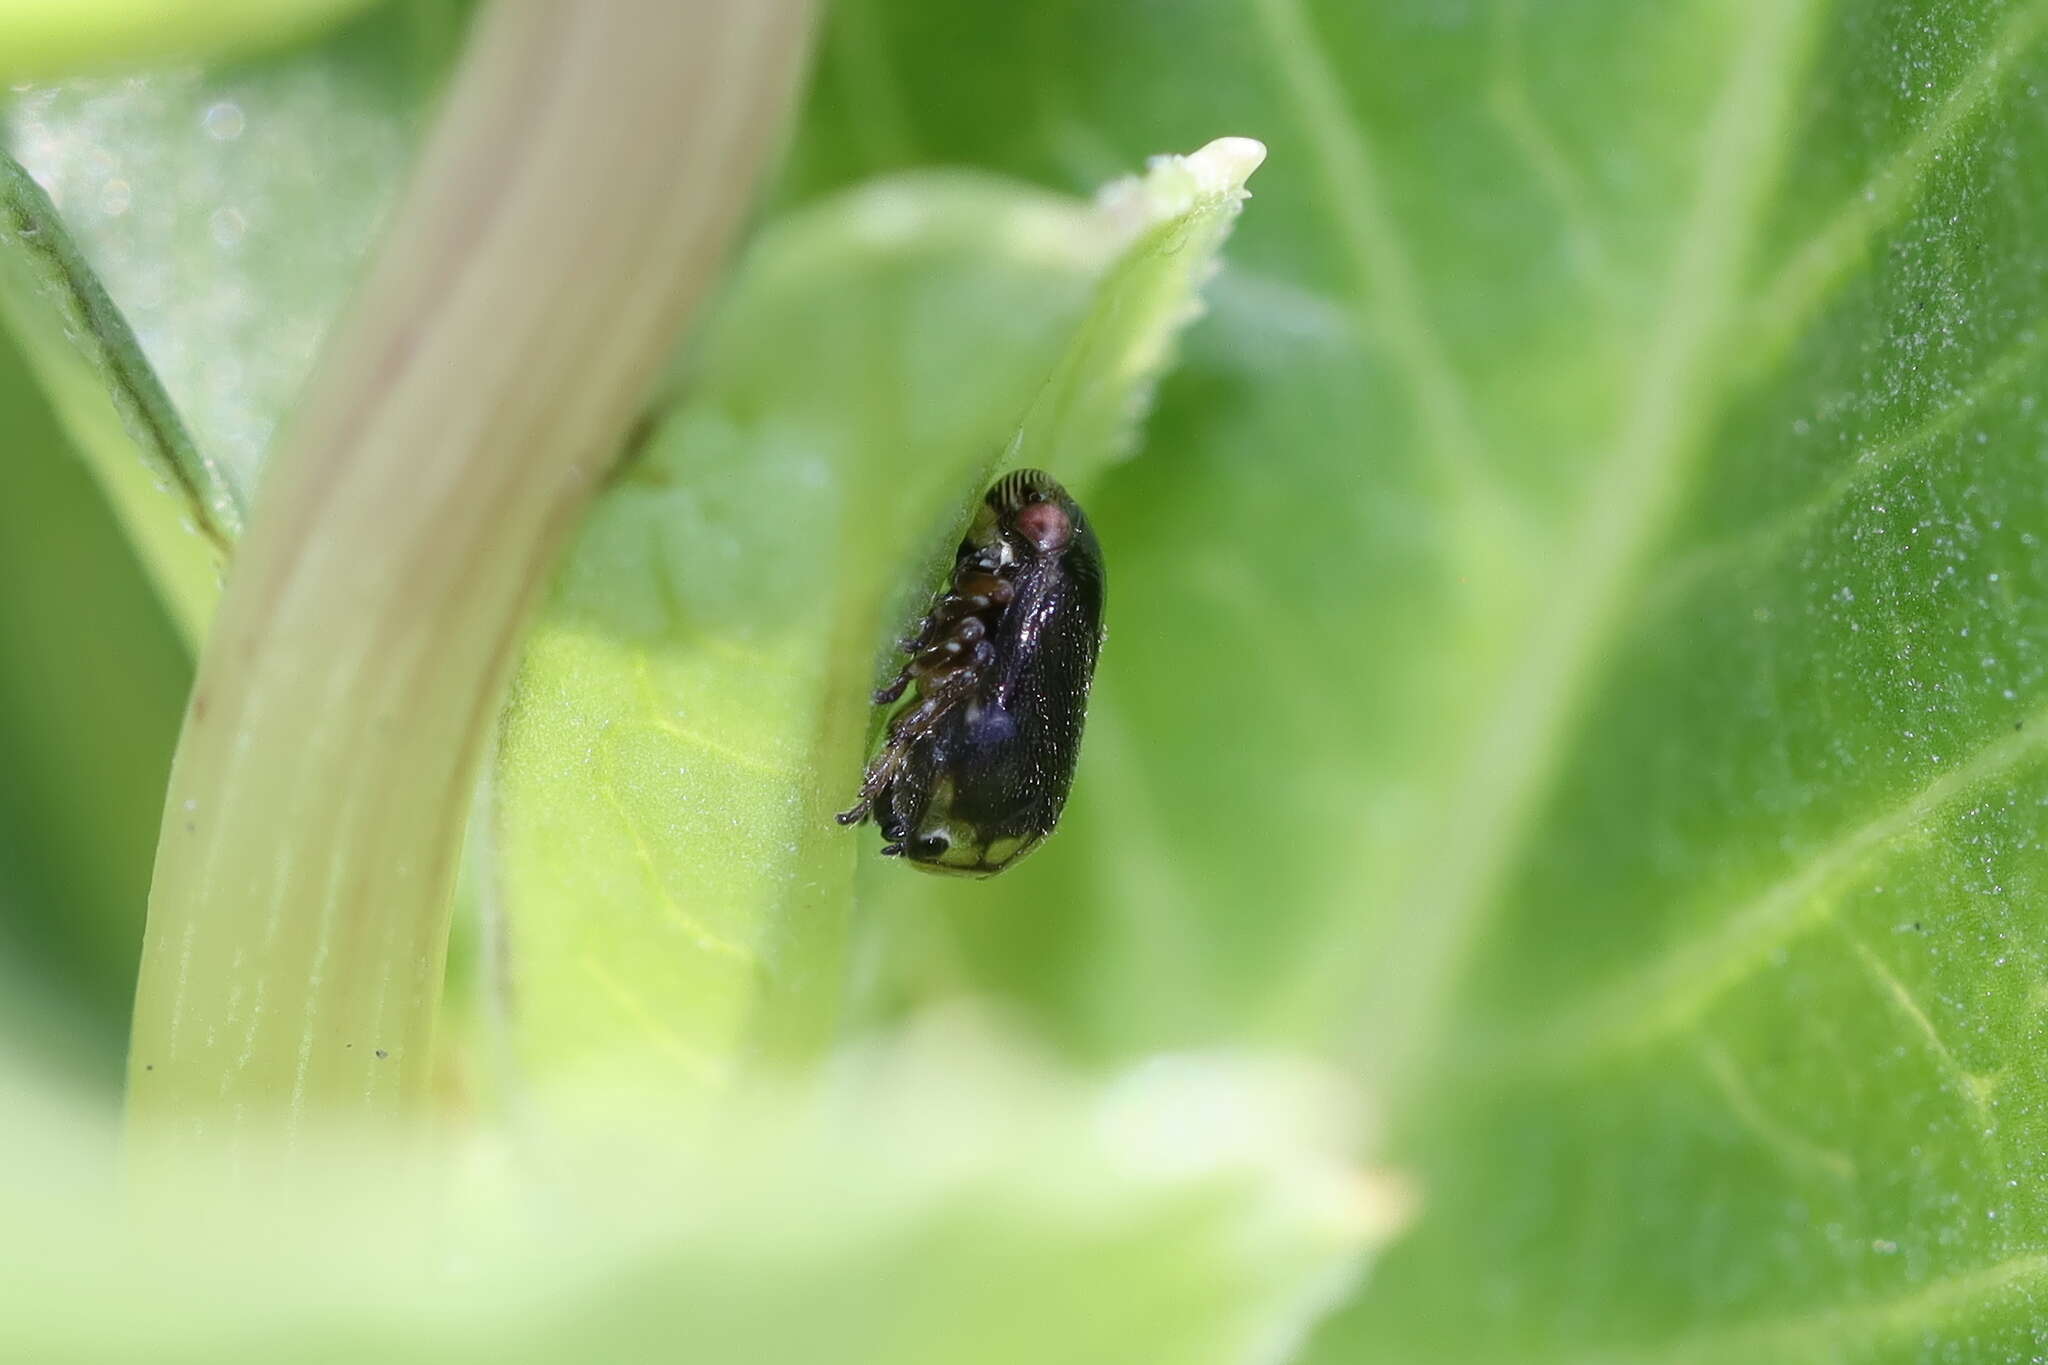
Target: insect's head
1025	514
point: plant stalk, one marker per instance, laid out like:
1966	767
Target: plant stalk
580	192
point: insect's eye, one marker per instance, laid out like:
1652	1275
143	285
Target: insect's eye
1043	526
932	845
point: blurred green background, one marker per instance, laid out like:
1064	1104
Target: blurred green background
1576	626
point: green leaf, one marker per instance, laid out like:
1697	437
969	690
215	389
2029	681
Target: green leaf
44	38
92	682
1578	639
190	213
940	1198
1576	649
961	1204
176	504
691	707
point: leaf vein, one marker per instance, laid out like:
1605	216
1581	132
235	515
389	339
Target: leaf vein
1517	749
1789	301
1512	108
701	933
1798	1149
1968	1087
1663	996
1384	270
2017	362
1835	1332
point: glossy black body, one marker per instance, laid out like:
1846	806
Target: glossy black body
977	767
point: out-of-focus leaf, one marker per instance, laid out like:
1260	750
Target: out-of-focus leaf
184	202
179	509
940	1199
228	210
1578	637
45	38
691	708
92	682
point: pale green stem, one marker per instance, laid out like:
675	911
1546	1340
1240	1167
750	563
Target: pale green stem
579	194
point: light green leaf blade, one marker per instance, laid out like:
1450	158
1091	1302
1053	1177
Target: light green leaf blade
691	708
1669	845
1179	213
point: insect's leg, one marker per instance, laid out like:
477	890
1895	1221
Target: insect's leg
948	650
971	595
945	691
910	645
947	632
882	771
895	831
880	774
915	642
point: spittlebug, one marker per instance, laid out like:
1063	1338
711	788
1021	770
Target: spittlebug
974	771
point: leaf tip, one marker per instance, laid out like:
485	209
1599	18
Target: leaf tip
1207	180
1224	164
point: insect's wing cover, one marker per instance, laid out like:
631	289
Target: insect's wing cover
1049	676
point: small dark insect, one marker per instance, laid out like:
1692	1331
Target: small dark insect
975	770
